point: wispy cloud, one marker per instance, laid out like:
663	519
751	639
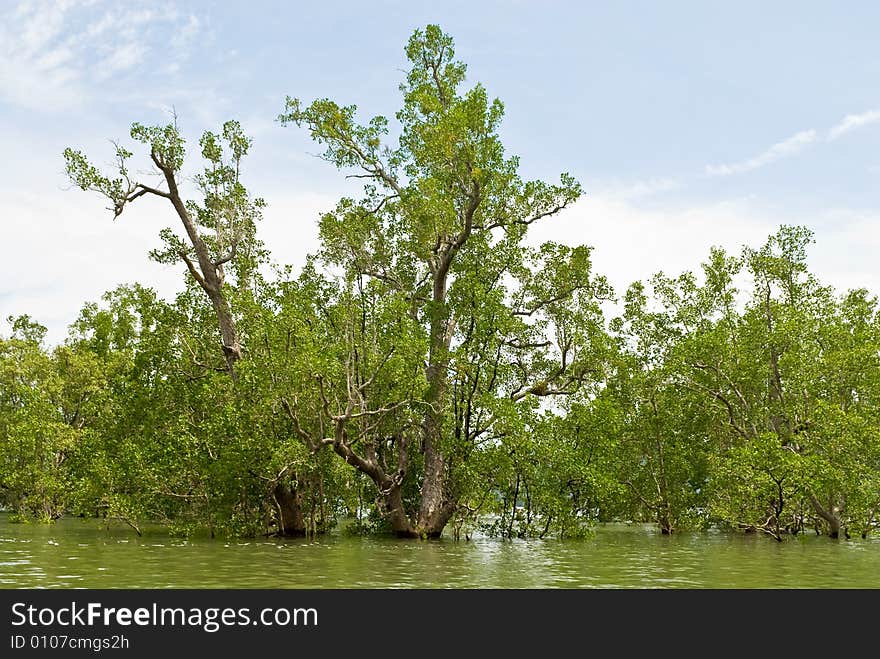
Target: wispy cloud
187	31
853	121
182	41
56	54
795	144
784	149
122	58
637	189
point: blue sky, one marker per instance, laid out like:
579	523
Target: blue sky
688	123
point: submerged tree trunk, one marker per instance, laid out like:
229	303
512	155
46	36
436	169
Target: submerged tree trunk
436	506
392	499
288	502
829	515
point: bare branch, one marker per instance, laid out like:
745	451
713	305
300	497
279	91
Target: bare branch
372	378
192	269
306	437
516	345
144	189
228	256
727	404
475	197
382	410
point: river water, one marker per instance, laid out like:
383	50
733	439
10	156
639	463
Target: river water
74	553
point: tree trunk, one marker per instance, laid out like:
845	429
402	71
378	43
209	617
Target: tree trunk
400	524
829	515
391	499
229	337
288	500
435	508
210	278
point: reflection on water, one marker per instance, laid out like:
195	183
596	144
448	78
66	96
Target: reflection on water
80	554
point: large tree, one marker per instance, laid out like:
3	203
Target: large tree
439	234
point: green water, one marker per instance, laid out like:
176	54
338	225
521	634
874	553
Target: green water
81	554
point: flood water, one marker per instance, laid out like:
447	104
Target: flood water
74	553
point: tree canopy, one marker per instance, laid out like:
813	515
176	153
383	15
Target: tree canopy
430	368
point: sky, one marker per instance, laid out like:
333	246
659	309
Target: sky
689	124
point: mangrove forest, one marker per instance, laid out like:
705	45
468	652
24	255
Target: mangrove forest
432	369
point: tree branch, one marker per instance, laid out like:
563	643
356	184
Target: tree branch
192	269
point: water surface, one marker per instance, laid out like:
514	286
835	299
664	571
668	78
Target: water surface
75	553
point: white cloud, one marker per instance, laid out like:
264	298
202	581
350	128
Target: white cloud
55	55
68	251
187	31
290	224
853	121
784	149
181	42
39	24
54	59
123	57
633	190
847	244
632	243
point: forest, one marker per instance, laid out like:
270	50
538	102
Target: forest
430	370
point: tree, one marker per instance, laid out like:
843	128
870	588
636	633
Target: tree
220	239
33	438
661	428
50	401
218	230
439	235
787	373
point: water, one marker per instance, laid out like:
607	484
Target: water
76	553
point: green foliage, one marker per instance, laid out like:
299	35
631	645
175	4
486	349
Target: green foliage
167	146
429	347
224	221
782	380
439	234
36	433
